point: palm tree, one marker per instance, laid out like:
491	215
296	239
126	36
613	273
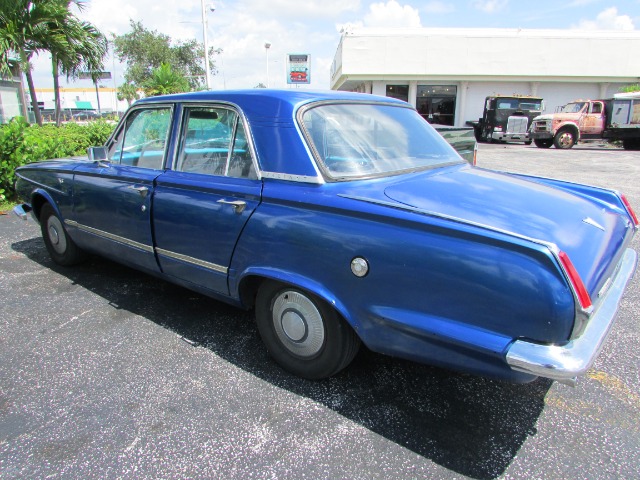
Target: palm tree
83	49
31	26
128	92
24	31
164	80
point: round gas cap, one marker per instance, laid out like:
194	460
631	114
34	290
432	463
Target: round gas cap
359	267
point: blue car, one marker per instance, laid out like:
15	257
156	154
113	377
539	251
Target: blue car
341	219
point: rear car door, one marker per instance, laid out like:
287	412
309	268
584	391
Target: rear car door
202	204
112	198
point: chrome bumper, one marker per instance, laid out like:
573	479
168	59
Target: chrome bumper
22	211
565	363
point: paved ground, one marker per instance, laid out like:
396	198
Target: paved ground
108	373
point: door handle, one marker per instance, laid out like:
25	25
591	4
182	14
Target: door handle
238	205
142	190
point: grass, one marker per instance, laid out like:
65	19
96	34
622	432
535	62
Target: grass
6	206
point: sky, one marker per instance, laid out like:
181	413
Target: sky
242	27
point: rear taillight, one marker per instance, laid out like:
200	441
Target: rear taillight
576	281
629	209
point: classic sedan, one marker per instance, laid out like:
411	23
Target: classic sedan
341	219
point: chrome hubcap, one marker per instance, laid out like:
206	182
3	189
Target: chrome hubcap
56	235
298	323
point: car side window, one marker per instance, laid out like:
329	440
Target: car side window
214	142
143	139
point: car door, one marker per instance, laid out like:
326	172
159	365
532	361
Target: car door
593	120
112	198
202	204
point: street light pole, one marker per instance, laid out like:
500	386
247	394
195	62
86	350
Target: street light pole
267	46
207	73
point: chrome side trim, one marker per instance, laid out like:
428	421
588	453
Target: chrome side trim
293	178
110	236
565	362
42	185
185	258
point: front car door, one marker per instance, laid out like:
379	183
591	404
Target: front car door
112	198
593	121
202	204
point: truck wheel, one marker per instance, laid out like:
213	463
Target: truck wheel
631	144
305	335
543	142
564	139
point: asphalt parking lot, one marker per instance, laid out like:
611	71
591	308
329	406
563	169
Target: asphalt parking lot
109	373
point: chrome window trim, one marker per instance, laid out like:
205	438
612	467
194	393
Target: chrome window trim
194	261
293	178
110	236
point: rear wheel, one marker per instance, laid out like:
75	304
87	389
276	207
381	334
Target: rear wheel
565	138
543	142
631	144
302	333
61	248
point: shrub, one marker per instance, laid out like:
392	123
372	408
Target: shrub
21	144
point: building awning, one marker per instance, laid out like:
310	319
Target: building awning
84	105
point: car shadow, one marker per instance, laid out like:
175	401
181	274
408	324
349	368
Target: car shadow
470	425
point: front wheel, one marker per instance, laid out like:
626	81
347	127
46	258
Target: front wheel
60	246
631	144
302	333
543	142
564	139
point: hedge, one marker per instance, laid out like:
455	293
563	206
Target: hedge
21	143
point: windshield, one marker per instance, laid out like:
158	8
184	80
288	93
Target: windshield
359	140
518	104
573	107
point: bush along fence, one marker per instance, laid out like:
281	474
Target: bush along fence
21	143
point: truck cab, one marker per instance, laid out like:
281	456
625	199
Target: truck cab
506	118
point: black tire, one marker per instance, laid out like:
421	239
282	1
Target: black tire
631	144
543	142
61	248
527	142
564	139
303	334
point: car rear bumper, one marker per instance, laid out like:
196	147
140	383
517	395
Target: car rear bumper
566	362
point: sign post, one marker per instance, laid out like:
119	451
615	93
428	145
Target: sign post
95	76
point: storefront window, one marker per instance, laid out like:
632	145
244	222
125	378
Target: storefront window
437	103
401	92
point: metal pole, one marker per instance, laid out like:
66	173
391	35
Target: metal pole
207	73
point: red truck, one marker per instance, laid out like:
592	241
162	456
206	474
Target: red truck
617	118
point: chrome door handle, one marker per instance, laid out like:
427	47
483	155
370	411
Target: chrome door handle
238	205
141	190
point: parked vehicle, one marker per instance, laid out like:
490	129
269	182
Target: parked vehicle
617	118
342	218
462	139
506	118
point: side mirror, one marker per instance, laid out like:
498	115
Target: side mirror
97	154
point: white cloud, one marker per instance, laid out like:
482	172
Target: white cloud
608	20
438	7
489	6
392	14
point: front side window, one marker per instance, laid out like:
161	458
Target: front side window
360	140
143	139
214	142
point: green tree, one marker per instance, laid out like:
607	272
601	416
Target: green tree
145	50
164	81
83	49
128	92
24	31
630	88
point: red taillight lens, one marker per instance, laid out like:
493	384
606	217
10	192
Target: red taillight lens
629	209
576	281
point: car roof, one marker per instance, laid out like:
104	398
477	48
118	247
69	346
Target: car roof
262	105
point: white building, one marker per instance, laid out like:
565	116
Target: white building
73	99
449	72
